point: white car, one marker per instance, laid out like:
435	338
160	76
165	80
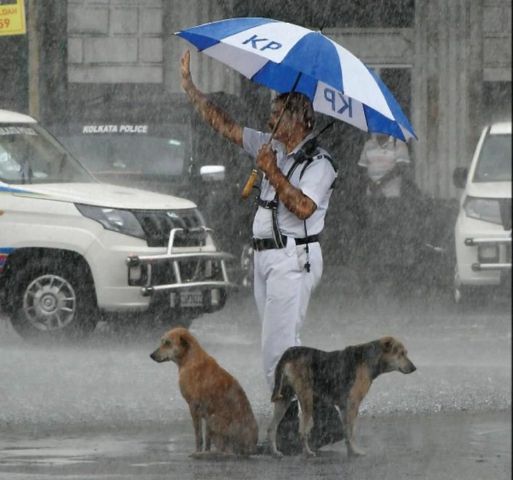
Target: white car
483	227
73	249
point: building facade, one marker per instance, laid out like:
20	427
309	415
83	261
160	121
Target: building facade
449	61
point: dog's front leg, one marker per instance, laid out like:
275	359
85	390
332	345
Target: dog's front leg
198	430
208	437
347	417
280	407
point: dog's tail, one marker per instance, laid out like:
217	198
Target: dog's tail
281	389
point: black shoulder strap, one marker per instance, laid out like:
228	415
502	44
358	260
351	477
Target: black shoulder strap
273	205
306	165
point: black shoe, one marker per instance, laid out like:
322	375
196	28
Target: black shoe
327	428
287	435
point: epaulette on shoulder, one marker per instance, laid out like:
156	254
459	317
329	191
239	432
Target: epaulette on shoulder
321	155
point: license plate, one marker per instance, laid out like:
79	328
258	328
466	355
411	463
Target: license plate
188	299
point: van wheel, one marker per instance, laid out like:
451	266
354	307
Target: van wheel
461	295
171	318
52	301
472	298
146	325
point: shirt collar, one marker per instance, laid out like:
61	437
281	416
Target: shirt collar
301	143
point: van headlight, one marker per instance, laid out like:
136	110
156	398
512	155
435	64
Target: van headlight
121	221
485	209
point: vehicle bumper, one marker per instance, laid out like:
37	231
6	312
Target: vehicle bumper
483	252
134	277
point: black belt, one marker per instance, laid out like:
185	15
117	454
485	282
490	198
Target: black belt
269	243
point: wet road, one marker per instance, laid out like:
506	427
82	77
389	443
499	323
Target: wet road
442	446
105	410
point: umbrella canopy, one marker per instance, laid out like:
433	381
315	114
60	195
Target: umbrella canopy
287	57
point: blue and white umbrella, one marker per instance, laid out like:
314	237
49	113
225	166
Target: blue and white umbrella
287	57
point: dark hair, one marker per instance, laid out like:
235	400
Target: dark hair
300	105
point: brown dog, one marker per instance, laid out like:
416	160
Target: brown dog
340	378
213	395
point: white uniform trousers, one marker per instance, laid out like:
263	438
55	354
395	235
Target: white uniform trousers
282	289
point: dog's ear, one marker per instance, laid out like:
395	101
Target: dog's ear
388	343
184	342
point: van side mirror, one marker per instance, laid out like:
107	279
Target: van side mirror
212	173
459	177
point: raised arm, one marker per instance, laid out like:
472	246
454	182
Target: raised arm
215	116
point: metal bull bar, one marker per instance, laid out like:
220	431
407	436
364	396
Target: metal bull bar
493	242
148	288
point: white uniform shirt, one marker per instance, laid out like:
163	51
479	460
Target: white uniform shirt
380	159
315	183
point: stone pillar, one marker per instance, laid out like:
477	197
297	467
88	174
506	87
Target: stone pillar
53	76
447	78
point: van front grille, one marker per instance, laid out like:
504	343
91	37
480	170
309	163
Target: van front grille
157	225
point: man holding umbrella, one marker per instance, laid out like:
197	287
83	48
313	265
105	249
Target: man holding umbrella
298	175
294	196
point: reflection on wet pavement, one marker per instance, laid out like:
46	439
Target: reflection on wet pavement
455	446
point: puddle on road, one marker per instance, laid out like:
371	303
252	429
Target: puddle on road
91	448
144	446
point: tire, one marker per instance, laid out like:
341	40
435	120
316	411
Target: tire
142	326
246	266
184	321
170	318
468	298
54	300
460	295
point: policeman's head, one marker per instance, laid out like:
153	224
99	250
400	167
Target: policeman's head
298	117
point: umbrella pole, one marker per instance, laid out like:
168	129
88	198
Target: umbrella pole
253	176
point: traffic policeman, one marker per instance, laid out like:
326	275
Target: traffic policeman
294	197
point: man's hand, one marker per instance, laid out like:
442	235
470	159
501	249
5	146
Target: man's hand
266	159
185	63
293	198
217	118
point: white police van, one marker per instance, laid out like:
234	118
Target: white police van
483	227
74	250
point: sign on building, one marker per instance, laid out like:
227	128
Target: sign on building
12	17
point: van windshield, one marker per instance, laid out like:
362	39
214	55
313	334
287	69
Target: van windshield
29	154
494	164
126	155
